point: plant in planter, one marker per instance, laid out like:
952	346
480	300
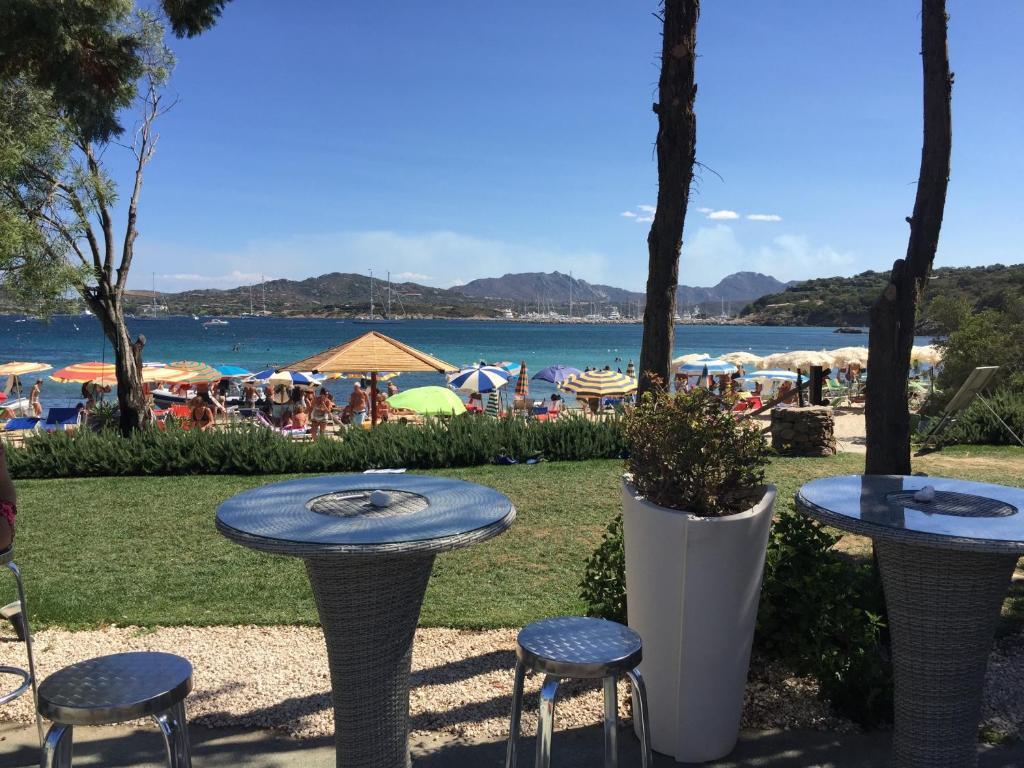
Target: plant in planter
696	517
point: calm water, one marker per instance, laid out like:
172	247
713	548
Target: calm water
257	343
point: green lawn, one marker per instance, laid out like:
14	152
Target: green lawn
144	550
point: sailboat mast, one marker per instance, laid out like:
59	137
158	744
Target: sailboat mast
263	285
371	294
250	300
570	293
389	295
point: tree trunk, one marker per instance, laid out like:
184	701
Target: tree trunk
133	411
894	313
677	149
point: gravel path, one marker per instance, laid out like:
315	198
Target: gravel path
276	677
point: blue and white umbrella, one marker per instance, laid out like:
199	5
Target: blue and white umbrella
480	378
772	375
292	378
706	366
234	371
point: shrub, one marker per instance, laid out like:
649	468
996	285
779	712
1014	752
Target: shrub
603	588
687	452
978	426
250	450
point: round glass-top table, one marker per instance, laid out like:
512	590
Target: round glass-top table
946	557
368	542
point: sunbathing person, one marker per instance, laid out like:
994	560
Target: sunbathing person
201	415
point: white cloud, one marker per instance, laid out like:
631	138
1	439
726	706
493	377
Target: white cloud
723	215
233	278
644	219
647	208
628	214
417	277
705	210
764	217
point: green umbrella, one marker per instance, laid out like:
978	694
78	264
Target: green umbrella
428	400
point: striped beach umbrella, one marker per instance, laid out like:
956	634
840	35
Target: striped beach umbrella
80	373
480	378
196	373
233	371
15	368
290	378
493	407
522	383
556	374
600	384
630	369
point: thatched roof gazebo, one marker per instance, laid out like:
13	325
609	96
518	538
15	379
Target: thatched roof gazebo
371	353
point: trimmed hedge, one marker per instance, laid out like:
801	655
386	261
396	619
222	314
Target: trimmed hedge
250	450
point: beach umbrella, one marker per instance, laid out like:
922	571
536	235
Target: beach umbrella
512	368
196	373
428	401
928	355
79	373
630	369
493	407
481	378
707	367
233	371
600	384
289	378
846	355
522	383
373	352
797	359
556	374
744	359
363	375
684	359
15	368
771	375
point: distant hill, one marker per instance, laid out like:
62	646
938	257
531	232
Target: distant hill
334	294
552	289
843	301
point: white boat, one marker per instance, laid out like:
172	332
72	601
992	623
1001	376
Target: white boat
215	321
387	319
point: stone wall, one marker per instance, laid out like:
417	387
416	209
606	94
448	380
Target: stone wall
806	431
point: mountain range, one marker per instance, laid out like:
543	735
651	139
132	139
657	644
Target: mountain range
347	294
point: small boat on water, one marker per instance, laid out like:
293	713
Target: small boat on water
214	321
387	319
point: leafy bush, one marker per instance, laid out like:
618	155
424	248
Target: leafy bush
977	425
249	450
603	588
821	615
687	452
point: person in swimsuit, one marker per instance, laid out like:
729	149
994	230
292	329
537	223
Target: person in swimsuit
358	401
201	414
320	413
33	398
299	419
8	502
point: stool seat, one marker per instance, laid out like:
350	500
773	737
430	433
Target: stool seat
115	688
576	646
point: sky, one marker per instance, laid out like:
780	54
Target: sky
449	141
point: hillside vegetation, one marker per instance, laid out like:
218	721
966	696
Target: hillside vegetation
844	301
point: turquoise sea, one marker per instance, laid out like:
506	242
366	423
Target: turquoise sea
257	343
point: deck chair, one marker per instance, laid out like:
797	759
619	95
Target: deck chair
58	419
22	424
977	380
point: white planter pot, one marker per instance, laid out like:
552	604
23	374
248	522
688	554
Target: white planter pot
693	585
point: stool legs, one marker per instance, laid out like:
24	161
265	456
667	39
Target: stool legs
57	747
517	711
546	721
28	646
174	728
611	724
640	714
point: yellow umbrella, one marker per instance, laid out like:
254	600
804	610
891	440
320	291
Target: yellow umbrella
928	354
600	384
22	369
195	373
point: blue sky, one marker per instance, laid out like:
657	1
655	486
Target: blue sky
454	140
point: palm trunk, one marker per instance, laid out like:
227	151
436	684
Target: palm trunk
677	148
894	314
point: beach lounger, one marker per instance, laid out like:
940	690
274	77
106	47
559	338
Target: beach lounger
58	419
22	424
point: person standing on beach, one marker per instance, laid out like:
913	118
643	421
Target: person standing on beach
33	399
8	502
357	402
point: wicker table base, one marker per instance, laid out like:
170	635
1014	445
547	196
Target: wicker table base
369	609
943	608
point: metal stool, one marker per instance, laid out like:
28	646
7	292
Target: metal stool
572	646
113	689
28	679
